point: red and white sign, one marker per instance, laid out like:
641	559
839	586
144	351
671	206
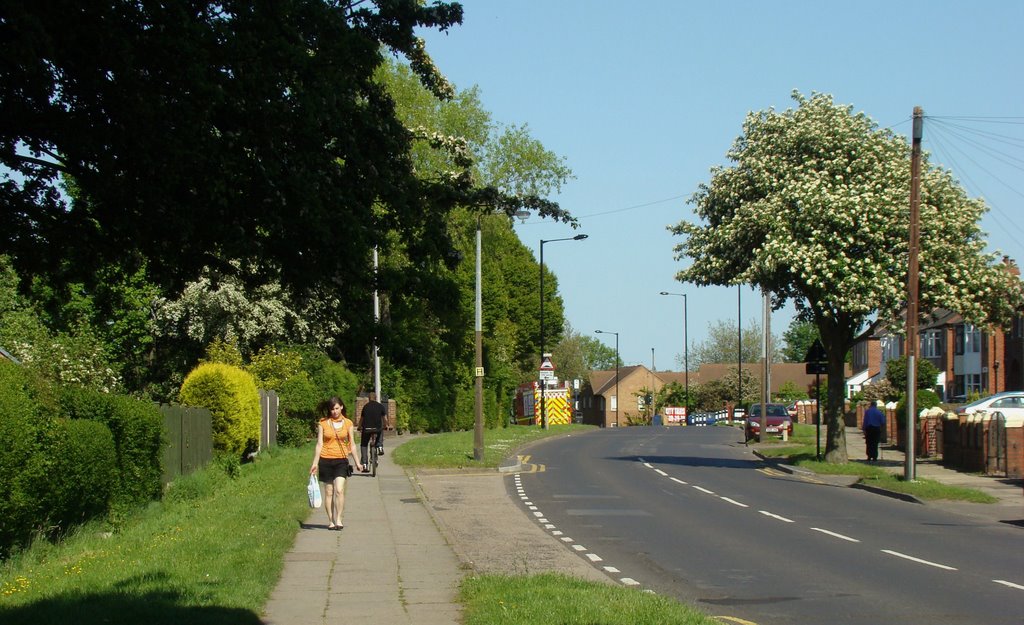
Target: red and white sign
675	414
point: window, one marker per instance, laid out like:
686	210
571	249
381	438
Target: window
890	348
615	402
973	382
972	338
931	344
958	348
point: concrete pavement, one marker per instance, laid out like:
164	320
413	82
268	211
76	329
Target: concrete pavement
390	565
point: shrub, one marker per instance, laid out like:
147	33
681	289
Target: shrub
330	378
924	399
230	394
137	428
20	433
292	432
80	469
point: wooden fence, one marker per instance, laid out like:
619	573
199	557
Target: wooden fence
189	437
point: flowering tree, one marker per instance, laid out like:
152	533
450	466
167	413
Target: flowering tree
815	209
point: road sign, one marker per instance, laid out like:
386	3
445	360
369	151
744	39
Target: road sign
817	367
547	374
816	353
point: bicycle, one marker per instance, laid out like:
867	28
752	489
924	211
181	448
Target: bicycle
374	446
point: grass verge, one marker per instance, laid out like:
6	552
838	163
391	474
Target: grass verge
450	450
210	552
553	599
803	456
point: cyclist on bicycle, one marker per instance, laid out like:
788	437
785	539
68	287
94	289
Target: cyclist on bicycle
372	421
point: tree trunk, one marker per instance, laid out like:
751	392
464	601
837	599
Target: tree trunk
835	438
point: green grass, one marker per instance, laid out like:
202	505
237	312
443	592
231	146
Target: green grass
553	599
455	449
923	488
803	456
210	552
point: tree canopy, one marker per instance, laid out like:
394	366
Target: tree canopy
720	346
196	133
814	208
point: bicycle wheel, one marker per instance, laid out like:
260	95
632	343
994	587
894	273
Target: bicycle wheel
373	460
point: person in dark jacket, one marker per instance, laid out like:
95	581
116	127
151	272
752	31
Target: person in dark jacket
874	421
373	419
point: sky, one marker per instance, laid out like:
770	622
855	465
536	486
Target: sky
642	99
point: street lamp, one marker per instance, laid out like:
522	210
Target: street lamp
543	395
616	372
686	349
478	429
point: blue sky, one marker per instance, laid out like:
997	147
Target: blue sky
643	98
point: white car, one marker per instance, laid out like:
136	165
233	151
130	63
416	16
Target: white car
1009	403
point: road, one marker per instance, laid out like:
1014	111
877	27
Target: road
692	513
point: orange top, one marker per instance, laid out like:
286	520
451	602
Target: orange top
335	438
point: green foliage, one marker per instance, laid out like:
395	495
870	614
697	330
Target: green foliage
798	339
881	390
715	394
923	398
231	396
224	352
81	472
671	394
720	346
137	429
329	377
75	356
789	392
272	366
925	372
21	432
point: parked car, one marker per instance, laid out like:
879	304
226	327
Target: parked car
776	417
1010	403
792	410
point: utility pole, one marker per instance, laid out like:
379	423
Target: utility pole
739	348
766	379
912	290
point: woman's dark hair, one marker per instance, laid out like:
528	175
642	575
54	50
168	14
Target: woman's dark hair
331	403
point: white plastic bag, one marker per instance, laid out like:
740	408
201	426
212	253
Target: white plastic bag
313	490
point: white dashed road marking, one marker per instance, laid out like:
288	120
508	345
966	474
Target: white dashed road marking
918	560
735	503
775	516
818	529
1010	584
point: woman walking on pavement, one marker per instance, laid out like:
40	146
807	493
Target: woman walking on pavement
334	444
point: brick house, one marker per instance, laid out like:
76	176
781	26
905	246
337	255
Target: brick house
969	359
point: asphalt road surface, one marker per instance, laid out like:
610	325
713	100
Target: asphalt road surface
692	513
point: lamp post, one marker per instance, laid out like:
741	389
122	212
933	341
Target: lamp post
686	349
543	383
616	372
478	428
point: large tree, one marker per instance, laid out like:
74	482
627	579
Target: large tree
198	133
798	339
720	345
814	208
